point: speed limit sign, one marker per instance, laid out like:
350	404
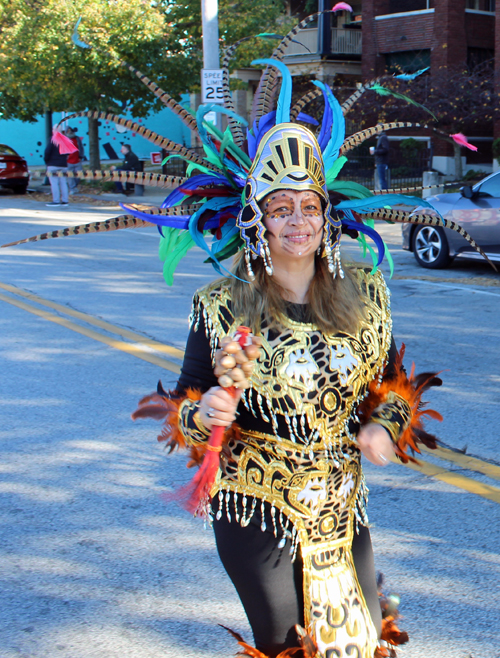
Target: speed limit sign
211	86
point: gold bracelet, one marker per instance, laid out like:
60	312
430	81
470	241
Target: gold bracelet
214	448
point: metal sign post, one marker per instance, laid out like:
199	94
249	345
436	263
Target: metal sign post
211	75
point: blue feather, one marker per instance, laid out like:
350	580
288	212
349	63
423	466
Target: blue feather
326	125
197	235
252	144
331	151
259	130
305	118
76	39
285	97
266	122
411	76
371	233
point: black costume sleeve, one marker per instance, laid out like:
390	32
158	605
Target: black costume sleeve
197	373
197	368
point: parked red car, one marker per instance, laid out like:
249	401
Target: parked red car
13	170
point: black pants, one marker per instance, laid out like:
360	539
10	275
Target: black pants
269	584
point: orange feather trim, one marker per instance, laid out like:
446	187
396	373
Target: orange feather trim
307	646
165	406
411	389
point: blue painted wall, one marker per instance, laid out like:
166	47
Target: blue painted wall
28	139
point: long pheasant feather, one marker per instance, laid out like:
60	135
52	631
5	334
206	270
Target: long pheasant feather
114	224
302	102
266	89
405	217
361	136
139	177
187	118
346	105
158	140
234	126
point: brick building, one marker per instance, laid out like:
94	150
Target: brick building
388	35
413	34
381	36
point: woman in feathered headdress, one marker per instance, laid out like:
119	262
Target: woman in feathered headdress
278	418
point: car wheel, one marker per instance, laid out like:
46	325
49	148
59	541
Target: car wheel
430	247
20	189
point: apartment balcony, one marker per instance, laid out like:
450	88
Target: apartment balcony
345	44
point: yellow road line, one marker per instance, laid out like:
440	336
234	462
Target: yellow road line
96	322
137	349
131	348
457	480
465	461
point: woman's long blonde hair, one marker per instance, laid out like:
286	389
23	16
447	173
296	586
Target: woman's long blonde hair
335	304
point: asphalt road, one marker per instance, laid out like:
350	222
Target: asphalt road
95	565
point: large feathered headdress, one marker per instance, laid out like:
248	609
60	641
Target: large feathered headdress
220	195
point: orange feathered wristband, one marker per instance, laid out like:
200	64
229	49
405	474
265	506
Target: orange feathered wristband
411	390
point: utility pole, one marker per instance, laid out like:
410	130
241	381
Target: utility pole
210	26
211	74
324	29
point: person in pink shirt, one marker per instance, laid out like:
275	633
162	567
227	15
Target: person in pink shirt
74	159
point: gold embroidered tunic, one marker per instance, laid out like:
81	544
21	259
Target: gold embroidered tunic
303	472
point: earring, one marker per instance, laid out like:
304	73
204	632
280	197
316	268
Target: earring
338	263
328	252
267	260
250	272
319	250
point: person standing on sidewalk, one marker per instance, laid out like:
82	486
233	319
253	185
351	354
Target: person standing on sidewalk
381	153
74	159
56	162
131	162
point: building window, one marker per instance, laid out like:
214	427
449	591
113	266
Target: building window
400	6
481	5
407	61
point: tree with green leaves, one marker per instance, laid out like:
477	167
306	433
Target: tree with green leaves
42	69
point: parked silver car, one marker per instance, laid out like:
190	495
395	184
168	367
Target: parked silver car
475	208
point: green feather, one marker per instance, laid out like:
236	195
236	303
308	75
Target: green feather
233	148
173	247
334	170
269	35
350	189
389	260
383	91
211	157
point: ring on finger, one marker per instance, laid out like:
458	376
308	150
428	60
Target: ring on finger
211	413
382	457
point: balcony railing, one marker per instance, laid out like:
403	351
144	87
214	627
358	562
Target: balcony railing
344	42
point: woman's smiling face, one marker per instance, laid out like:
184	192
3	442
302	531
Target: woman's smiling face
294	222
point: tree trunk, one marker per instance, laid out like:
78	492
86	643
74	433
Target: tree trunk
457	152
48	127
94	160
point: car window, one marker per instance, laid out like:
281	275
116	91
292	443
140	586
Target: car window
6	150
491	187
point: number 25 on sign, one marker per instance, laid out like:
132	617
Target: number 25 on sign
211	86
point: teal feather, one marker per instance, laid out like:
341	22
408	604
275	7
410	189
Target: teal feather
350	189
76	39
285	97
383	91
334	170
173	247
